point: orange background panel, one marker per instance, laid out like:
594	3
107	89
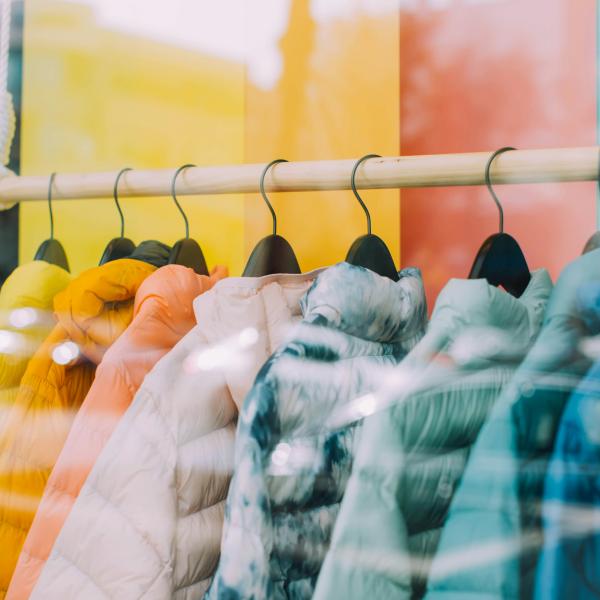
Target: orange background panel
334	96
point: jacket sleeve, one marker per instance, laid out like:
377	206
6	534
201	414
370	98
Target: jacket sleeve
247	533
147	523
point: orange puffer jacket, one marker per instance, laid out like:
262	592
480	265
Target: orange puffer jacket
92	312
163	314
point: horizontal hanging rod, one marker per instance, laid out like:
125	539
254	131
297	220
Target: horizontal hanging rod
520	166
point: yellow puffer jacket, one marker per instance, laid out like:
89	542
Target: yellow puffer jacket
92	312
25	320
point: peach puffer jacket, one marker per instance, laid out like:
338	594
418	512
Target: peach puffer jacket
92	312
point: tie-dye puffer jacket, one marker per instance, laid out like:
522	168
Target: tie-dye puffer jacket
291	468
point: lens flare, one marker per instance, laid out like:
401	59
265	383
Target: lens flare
23	317
229	354
9	342
65	353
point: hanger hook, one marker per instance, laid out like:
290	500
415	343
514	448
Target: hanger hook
50	184
116	197
263	193
173	195
488	182
353	184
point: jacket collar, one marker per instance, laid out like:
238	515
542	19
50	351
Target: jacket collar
33	285
97	306
363	304
477	312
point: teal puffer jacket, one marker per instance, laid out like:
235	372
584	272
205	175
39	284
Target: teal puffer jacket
412	454
491	541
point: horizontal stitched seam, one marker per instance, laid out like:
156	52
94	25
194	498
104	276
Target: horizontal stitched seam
198	510
189	585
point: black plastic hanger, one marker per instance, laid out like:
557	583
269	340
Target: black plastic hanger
369	250
51	250
500	259
186	252
594	242
120	247
273	254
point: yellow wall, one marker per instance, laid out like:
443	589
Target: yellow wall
95	99
98	97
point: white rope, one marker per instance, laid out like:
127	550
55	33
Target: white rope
7	111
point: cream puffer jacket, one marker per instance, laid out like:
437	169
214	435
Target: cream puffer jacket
147	523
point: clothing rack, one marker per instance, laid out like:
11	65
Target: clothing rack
519	166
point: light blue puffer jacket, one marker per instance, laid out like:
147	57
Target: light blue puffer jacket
290	468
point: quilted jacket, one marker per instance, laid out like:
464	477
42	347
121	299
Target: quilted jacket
92	313
147	522
26	319
290	467
568	566
412	455
163	314
491	541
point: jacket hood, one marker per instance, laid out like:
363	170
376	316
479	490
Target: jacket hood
34	285
30	286
98	306
264	307
482	321
176	286
364	304
569	296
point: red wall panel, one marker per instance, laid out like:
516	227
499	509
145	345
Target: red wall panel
477	76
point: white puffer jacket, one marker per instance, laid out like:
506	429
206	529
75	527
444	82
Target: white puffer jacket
147	523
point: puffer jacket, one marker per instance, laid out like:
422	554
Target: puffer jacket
290	467
26	319
163	314
147	522
491	540
92	312
412	454
568	566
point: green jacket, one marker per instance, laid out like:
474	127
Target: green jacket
412	454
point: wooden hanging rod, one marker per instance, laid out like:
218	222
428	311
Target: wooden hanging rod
520	166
